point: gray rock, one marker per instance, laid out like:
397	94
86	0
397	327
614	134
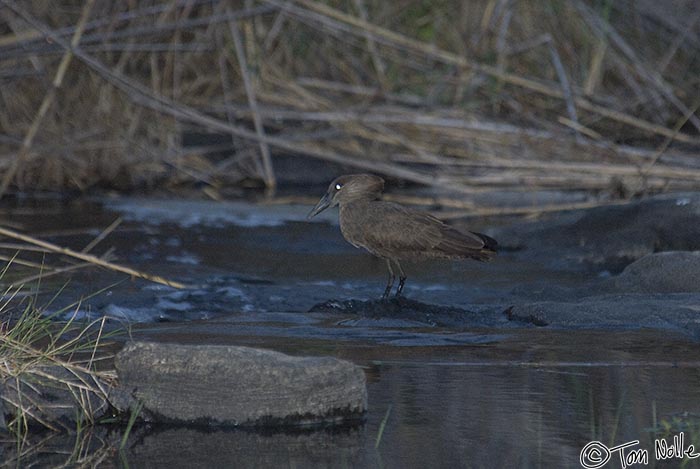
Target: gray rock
608	237
228	385
672	311
664	272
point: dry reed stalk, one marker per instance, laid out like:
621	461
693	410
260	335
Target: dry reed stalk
22	247
575	125
565	87
488	131
379	67
488	212
664	146
339	118
48	100
681	38
595	69
88	258
268	174
103	234
397	40
651	76
16	260
51	273
361	90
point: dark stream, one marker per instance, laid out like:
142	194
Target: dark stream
495	393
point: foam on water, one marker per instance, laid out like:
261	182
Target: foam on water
189	213
184	258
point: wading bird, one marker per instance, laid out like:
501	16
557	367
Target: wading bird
396	233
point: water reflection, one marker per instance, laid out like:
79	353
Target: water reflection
445	412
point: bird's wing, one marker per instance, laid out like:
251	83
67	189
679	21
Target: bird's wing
395	229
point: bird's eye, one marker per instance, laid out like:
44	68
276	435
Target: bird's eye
338	186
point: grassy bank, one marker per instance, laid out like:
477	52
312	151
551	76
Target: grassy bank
48	360
597	96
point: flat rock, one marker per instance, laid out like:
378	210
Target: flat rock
608	237
229	385
674	311
664	272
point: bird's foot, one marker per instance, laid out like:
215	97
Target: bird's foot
399	290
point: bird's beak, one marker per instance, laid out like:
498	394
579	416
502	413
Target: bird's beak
322	204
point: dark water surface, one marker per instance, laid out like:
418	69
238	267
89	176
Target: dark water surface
501	395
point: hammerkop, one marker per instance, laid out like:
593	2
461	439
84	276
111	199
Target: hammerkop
396	233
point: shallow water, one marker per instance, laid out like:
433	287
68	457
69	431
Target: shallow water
500	395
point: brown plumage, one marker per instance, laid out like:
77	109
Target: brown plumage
396	233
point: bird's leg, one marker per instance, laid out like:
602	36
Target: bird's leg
390	283
402	279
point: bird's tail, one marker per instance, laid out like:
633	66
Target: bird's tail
466	245
487	252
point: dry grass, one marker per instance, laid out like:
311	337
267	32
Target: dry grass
468	96
39	356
